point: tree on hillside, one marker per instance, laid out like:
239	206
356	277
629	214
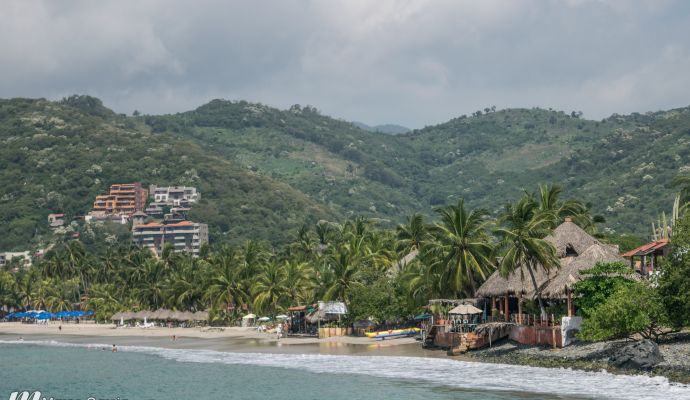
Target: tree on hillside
523	228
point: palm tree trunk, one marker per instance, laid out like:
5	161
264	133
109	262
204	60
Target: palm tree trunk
536	290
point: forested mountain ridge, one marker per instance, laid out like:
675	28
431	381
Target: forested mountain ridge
57	156
263	171
487	158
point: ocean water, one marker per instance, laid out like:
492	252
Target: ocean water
71	371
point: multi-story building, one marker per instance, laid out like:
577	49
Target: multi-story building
183	236
24	258
178	199
123	199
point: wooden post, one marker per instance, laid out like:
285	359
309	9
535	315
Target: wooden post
520	308
493	307
507	312
570	302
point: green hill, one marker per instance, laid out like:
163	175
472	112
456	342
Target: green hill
263	171
56	157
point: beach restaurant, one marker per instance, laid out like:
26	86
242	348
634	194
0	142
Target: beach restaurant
576	251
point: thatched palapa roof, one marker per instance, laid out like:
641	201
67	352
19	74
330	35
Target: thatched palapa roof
576	251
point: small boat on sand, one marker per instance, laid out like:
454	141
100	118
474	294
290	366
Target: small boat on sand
393	333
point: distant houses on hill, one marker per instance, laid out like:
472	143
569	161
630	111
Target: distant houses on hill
167	208
118	205
183	236
23	258
177	200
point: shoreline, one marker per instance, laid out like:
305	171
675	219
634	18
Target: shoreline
580	356
591	357
230	339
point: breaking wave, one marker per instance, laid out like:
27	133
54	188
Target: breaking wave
439	371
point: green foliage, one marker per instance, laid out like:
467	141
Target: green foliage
633	309
56	157
674	281
378	302
600	283
625	242
259	168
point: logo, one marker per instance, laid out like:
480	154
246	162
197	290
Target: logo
36	395
26	396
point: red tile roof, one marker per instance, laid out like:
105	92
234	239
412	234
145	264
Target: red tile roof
182	223
647	248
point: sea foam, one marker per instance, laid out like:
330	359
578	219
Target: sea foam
439	371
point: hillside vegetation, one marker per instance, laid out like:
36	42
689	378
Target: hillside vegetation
263	172
56	157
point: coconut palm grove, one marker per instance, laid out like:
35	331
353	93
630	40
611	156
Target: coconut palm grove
384	275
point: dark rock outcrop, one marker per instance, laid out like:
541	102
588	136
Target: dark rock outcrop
644	355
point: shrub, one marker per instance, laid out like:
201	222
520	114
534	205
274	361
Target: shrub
631	310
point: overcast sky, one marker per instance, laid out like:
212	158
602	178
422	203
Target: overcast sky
414	63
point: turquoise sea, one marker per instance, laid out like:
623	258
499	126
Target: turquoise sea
69	371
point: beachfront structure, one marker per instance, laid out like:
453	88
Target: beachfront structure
183	236
178	199
123	199
24	258
576	251
645	258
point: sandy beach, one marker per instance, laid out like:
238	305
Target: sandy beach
235	339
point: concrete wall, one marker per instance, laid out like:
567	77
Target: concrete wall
536	335
570	326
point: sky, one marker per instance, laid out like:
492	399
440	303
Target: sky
413	63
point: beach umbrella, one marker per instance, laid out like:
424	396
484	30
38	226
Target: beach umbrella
177	316
144	314
187	316
116	316
127	315
465	309
263	319
249	316
282	316
201	316
422	317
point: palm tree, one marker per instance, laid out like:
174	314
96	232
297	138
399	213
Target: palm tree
523	229
551	205
412	235
461	247
298	280
227	289
185	290
151	291
343	267
270	288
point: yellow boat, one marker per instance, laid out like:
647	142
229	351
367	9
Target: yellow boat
393	333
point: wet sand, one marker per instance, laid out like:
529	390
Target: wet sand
231	339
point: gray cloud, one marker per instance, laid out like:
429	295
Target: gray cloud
409	62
